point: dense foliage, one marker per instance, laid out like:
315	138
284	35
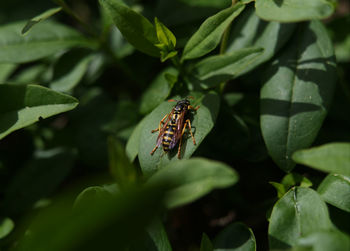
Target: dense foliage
83	84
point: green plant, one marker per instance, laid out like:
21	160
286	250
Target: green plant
87	82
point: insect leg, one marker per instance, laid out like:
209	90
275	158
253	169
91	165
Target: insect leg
188	122
160	124
180	143
154	149
190	107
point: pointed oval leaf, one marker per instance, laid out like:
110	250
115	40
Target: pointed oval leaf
331	158
249	30
135	28
324	241
335	190
6	70
193	178
293	10
206	244
6	226
132	146
44	39
300	212
40	18
208	36
296	93
217	69
236	236
22	105
165	36
202	122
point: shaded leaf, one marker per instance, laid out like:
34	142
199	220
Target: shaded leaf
158	91
40	18
120	167
69	70
300	212
45	39
6	226
280	188
132	146
112	221
5	71
236	236
193	178
249	30
38	179
293	10
208	36
296	94
295	179
216	69
206	244
324	241
335	190
135	28
331	158
21	106
202	122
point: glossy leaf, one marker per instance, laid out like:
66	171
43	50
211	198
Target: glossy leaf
331	158
335	190
297	91
69	71
157	92
6	226
193	178
37	179
236	236
300	212
216	69
209	33
324	241
25	105
40	18
249	30
206	244
45	39
5	71
293	10
135	28
132	146
202	122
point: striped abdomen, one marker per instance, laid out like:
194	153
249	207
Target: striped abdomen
168	141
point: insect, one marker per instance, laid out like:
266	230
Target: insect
172	130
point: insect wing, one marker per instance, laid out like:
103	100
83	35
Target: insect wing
178	132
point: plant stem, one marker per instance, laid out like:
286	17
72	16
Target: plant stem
70	12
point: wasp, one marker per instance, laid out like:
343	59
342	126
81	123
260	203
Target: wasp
173	125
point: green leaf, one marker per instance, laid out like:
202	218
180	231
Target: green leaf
157	92
69	70
294	179
108	221
37	179
298	213
331	158
202	122
21	106
324	241
272	36
165	36
158	235
45	39
193	178
33	74
6	226
119	165
281	189
5	71
206	244
293	10
216	69
208	36
166	55
236	236
335	190
296	93
135	28
132	146
40	18
208	3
